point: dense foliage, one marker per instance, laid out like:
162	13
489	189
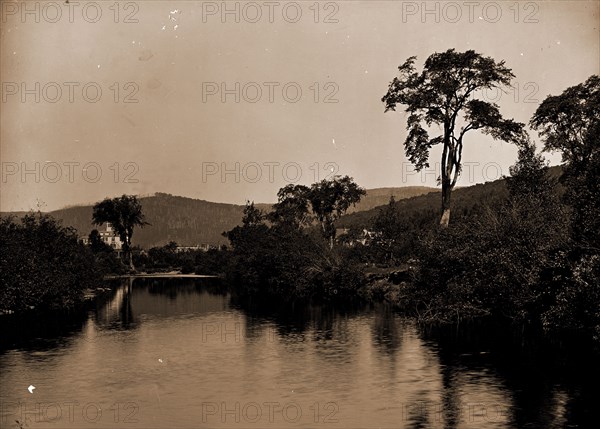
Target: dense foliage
124	213
523	250
106	259
282	254
570	124
534	256
170	258
42	265
493	263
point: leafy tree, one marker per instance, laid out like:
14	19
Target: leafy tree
444	95
252	215
97	244
124	213
252	225
43	265
165	257
287	260
529	175
570	124
389	226
387	219
292	207
266	260
214	261
397	232
330	199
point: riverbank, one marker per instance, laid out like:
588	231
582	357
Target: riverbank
92	294
172	274
386	284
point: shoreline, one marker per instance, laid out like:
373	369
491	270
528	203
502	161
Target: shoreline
161	275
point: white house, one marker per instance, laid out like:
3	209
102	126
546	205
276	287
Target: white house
109	236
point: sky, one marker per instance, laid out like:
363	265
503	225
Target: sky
229	101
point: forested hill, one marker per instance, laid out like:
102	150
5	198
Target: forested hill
379	196
424	207
186	221
189	221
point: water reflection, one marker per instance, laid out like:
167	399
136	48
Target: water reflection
182	352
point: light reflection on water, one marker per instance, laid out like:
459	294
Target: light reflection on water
177	354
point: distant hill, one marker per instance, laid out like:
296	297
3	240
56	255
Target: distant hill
464	201
186	221
16	214
380	196
190	221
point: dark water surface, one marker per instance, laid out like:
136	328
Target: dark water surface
163	353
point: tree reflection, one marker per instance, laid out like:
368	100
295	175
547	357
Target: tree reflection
387	335
543	384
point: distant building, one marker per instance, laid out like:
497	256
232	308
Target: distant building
352	238
203	247
109	236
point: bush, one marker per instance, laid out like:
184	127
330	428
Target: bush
572	296
212	262
495	263
289	263
108	263
42	265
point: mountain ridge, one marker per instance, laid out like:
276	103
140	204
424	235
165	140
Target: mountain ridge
190	221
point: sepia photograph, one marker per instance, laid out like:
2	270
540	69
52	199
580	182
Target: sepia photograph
346	214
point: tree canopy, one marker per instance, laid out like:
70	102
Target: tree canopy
570	122
42	265
330	199
124	213
443	94
292	207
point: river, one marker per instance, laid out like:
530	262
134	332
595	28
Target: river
175	353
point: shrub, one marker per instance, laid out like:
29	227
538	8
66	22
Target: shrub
42	265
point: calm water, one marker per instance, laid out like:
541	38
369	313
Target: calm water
175	353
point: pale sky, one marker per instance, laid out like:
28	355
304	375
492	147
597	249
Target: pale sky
175	58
